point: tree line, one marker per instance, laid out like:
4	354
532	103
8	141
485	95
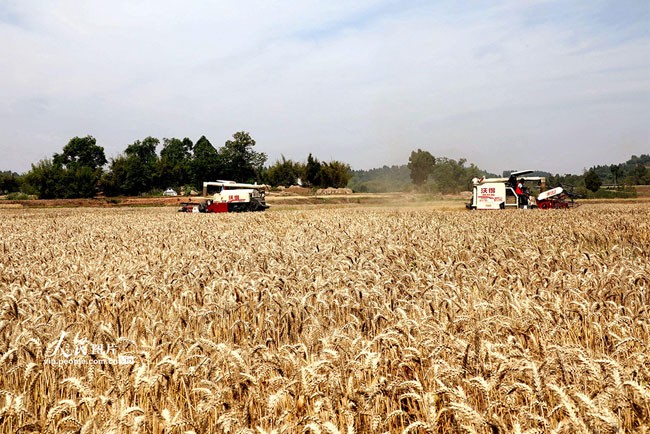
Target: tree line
82	170
312	173
633	172
428	173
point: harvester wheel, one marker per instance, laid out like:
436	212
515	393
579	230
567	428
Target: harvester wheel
544	205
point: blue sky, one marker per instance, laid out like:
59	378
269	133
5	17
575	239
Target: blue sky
548	85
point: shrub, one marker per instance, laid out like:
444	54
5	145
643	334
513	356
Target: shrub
18	196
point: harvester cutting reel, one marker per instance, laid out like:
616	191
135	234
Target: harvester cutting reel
556	198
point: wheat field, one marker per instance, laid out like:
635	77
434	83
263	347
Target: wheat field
345	320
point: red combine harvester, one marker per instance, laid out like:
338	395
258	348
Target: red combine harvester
229	196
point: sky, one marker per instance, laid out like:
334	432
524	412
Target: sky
508	85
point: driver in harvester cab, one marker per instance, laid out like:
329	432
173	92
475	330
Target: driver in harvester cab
521	192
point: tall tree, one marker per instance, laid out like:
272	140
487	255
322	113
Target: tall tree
616	171
421	165
81	152
312	171
141	165
9	182
592	180
206	163
144	150
46	180
639	175
174	164
284	172
240	162
134	172
128	176
75	172
335	174
452	176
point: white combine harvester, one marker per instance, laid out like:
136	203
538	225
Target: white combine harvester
229	196
502	193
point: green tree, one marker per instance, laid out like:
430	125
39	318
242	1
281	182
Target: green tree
421	164
240	162
82	161
592	180
312	171
144	150
451	176
616	171
75	172
639	175
126	177
335	174
46	180
81	181
134	172
9	182
206	163
141	165
284	172
174	165
113	182
81	152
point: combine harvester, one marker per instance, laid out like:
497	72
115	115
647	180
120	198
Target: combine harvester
229	196
514	192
